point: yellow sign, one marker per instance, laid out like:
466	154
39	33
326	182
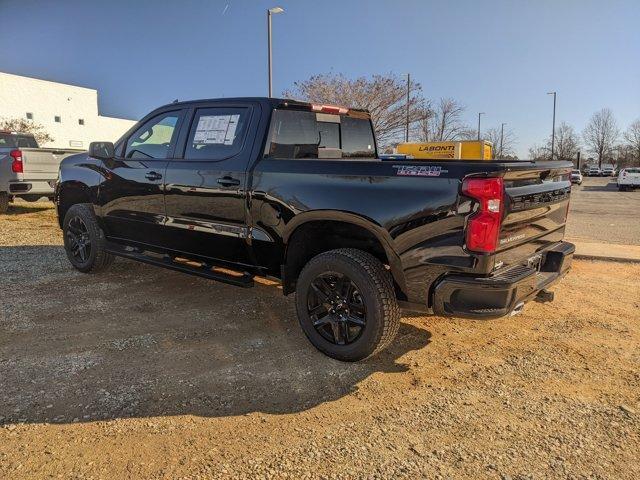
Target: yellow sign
462	150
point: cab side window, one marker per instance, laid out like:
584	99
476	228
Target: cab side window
155	138
217	133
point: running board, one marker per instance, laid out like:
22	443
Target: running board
244	280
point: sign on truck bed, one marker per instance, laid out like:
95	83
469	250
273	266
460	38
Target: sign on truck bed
456	150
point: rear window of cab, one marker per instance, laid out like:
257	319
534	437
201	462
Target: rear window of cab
300	134
10	140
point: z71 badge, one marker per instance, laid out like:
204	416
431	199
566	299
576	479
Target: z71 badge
419	171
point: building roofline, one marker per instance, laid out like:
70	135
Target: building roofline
48	81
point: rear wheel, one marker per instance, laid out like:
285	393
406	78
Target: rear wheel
346	304
84	240
4	202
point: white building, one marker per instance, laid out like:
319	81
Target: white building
68	113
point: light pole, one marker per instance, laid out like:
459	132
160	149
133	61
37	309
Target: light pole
271	11
553	130
406	136
501	137
479	114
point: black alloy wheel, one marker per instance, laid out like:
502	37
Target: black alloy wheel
79	239
336	308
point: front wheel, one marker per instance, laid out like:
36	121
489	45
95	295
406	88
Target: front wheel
84	240
346	304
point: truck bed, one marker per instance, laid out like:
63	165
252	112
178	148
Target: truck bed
39	170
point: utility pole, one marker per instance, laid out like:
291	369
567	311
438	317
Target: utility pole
406	135
271	11
553	130
479	114
501	137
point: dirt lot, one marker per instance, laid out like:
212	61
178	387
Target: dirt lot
146	373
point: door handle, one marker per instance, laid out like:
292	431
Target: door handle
228	182
153	176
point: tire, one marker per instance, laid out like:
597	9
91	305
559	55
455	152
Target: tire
367	317
4	202
84	240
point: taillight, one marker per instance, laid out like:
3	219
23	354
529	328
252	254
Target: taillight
17	165
483	227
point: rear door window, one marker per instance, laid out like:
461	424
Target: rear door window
299	134
217	133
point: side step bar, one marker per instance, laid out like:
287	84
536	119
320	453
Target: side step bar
244	280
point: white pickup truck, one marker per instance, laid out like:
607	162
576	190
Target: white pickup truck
27	171
629	179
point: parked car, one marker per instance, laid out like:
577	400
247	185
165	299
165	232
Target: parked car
26	170
296	191
608	171
593	171
629	178
576	177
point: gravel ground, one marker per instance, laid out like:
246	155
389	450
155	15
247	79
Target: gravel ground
600	213
147	373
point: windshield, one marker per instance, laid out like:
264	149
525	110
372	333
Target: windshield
305	134
11	140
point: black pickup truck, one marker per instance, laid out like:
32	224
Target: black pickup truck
233	188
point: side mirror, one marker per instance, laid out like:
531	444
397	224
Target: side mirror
102	150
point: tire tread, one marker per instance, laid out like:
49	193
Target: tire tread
103	259
383	284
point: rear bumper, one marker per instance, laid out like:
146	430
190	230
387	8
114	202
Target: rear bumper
498	295
36	187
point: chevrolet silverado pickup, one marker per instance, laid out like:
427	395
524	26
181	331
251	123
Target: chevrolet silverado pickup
229	189
26	170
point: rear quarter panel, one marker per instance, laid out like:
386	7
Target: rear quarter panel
419	218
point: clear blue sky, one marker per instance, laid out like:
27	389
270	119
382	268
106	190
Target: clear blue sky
500	57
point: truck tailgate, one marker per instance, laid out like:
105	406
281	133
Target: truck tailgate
536	206
43	163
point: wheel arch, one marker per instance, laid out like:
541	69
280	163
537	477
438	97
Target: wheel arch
312	233
70	193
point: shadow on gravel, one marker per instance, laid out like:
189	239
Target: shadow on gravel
609	187
24	208
139	341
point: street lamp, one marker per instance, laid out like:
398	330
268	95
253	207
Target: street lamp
553	130
479	114
271	11
406	136
501	137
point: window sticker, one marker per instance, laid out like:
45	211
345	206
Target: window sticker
216	129
231	129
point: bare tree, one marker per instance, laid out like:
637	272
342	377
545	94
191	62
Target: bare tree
26	126
567	143
632	137
385	96
508	142
601	134
444	122
539	152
